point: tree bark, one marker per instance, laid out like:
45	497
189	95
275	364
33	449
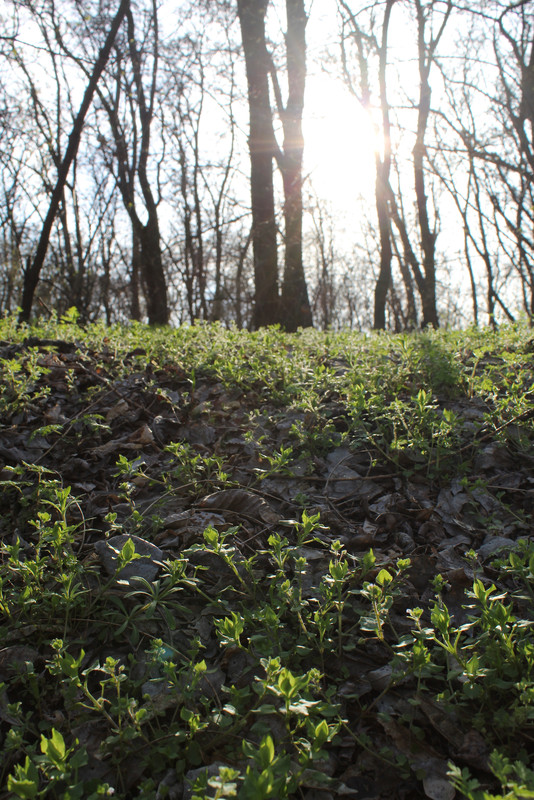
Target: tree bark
262	146
135	307
148	233
383	169
383	282
296	310
426	55
32	273
428	236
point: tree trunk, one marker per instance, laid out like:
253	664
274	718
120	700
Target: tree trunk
135	308
410	315
31	274
153	273
296	311
261	145
383	281
239	281
382	162
383	168
428	236
149	233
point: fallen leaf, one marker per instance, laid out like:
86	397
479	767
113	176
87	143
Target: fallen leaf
242	502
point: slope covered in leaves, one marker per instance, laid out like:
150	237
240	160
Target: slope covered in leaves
300	562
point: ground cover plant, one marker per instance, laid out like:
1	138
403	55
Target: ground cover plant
260	565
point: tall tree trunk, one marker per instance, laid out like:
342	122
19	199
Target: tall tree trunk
261	145
382	161
383	169
383	282
426	55
69	255
296	311
239	281
135	308
153	272
410	315
149	233
428	236
31	274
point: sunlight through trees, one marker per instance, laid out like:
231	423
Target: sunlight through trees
334	163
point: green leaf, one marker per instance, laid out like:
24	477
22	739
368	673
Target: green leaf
128	553
211	536
368	561
265	755
25	782
54	748
70	665
321	733
383	577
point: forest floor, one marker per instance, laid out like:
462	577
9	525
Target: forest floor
266	565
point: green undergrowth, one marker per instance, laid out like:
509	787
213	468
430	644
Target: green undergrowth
399	394
232	658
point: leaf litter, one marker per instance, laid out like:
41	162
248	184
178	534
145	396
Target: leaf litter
176	465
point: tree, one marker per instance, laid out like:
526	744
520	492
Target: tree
416	262
15	229
292	308
485	159
514	204
382	155
295	306
321	251
426	54
127	102
33	270
262	149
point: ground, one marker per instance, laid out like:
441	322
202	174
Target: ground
303	562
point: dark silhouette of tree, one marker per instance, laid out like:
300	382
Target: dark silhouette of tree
292	308
295	304
426	53
364	44
129	160
262	150
33	270
417	263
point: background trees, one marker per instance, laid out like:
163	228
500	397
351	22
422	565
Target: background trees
129	100
155	161
415	245
64	162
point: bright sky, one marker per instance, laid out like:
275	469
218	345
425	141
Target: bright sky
339	143
338	134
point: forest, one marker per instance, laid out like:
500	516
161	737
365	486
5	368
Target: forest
266	399
161	162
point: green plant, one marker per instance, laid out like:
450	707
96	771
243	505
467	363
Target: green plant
486	664
55	769
515	778
274	638
381	593
21	383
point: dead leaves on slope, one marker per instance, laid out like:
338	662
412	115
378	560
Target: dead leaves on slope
81	415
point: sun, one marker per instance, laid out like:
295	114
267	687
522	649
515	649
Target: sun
340	143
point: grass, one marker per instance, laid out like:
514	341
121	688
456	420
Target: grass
328	614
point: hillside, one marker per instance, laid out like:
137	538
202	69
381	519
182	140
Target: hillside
302	561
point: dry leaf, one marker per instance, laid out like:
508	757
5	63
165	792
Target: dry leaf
242	502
